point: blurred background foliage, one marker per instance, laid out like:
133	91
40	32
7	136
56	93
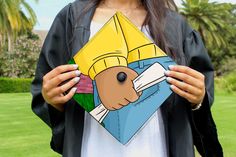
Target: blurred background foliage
21	61
216	22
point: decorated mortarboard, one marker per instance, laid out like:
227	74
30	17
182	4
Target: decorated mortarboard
120	43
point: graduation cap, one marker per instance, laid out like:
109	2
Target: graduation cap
120	43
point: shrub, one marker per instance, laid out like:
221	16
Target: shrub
226	66
21	62
226	83
15	85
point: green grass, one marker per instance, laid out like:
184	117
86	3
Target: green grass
224	113
22	134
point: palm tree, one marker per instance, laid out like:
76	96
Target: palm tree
15	16
209	19
7	14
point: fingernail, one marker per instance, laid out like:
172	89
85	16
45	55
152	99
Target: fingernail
77	72
75	66
171	66
76	79
172	86
168	79
74	89
167	72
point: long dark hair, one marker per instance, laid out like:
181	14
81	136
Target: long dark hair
155	19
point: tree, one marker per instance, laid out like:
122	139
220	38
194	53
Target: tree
216	23
208	18
224	58
15	16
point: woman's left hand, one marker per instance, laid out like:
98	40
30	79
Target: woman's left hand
187	83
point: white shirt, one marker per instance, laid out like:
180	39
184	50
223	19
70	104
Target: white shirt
149	141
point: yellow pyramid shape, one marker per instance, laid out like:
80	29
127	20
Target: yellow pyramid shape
118	43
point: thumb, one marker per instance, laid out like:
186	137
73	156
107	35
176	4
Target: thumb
131	94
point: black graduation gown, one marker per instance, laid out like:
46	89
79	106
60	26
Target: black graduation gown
68	34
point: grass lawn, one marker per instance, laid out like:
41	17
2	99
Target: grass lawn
224	113
22	134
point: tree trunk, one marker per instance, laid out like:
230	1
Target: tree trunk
1	43
9	38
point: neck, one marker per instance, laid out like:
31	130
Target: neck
122	4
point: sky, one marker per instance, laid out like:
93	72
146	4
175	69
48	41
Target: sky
46	10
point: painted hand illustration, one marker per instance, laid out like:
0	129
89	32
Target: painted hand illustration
113	93
151	76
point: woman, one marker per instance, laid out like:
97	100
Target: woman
183	119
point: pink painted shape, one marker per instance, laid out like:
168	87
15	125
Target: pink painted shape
85	85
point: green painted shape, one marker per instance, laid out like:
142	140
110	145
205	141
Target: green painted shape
85	100
71	61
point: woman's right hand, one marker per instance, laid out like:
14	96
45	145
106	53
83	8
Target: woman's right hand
55	85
